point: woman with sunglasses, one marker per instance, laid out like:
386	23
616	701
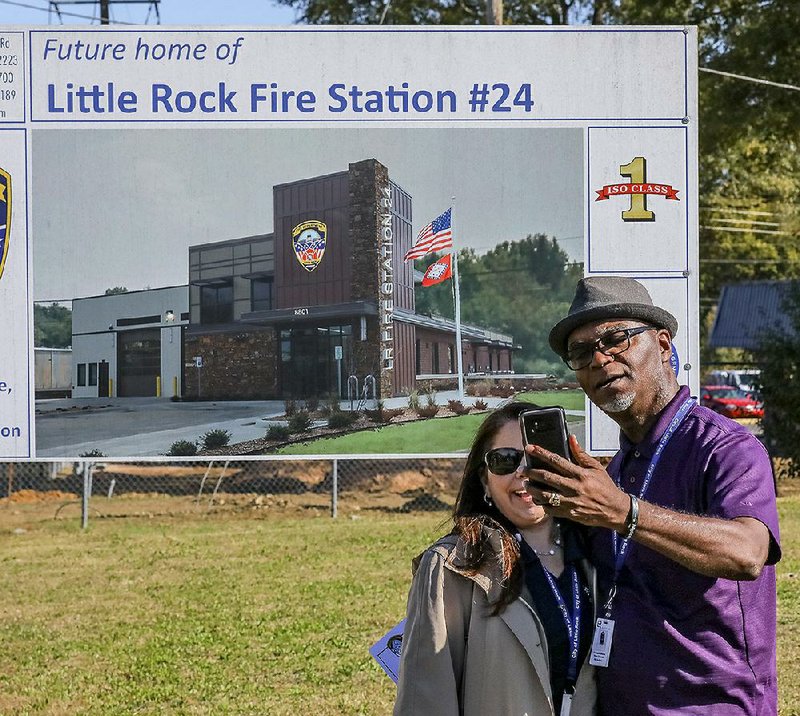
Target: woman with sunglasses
500	612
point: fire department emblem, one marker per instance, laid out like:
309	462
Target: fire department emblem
309	240
5	216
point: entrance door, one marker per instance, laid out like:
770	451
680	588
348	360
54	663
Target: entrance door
102	379
309	366
138	361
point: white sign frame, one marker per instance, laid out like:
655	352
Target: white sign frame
631	91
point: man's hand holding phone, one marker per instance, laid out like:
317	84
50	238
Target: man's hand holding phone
579	489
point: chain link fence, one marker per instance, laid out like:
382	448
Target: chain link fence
315	486
87	490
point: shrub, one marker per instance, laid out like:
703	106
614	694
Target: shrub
330	405
289	407
457	407
92	453
413	400
182	448
312	404
481	405
427	411
300	422
278	432
384	415
502	390
430	398
480	388
214	439
341	419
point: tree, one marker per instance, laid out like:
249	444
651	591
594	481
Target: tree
534	271
52	326
116	290
436	12
779	360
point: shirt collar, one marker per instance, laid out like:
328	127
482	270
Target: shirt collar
648	445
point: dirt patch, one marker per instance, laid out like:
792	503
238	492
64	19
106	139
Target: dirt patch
30	497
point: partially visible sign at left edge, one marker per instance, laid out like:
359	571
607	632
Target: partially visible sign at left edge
5	217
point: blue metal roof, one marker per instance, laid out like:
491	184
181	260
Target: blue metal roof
746	310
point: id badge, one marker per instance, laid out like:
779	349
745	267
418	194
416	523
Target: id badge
601	642
566	704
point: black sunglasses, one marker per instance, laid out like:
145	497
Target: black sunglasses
504	460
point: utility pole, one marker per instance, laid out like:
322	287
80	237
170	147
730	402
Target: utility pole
105	9
494	12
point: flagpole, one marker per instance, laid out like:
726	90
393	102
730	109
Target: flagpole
457	303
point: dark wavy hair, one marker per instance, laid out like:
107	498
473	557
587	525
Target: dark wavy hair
472	514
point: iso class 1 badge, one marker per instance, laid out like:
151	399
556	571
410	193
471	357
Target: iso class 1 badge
309	240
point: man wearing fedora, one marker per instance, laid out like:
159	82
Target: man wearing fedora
684	521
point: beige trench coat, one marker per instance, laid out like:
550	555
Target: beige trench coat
458	660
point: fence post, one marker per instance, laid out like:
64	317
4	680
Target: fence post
335	489
87	490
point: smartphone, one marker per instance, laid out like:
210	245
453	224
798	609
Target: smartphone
546	427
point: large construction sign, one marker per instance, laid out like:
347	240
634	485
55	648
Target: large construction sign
225	211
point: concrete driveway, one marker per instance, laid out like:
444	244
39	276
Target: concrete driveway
146	427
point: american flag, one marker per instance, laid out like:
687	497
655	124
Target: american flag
434	237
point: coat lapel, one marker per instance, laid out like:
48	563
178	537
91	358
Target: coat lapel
519	616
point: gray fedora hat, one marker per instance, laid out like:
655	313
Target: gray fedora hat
600	298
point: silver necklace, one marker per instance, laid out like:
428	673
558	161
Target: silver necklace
556	545
547	552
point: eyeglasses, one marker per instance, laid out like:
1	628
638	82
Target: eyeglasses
609	344
504	460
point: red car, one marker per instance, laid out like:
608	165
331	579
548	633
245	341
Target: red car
731	402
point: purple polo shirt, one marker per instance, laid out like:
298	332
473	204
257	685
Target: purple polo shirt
684	643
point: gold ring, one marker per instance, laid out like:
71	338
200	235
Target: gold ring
554	500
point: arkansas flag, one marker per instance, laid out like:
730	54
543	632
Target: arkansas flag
437	272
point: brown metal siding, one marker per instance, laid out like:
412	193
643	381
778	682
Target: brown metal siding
324	199
405	357
403	238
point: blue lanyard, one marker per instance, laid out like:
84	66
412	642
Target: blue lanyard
621	549
571	621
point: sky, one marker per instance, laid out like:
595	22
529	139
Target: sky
120	207
173	12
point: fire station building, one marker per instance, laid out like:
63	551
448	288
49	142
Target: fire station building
326	296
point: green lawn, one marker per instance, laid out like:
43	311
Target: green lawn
226	615
438	435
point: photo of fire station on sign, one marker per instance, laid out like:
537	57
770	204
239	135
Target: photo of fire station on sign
293	290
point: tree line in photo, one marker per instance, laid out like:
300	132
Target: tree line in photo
518	288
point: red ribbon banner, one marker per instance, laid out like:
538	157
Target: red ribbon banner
610	190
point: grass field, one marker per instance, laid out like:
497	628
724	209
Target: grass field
439	435
232	615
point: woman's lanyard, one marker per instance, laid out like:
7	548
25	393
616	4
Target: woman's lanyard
604	629
573	624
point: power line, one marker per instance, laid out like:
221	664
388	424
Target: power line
62	12
750	261
746	221
746	231
746	78
726	210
